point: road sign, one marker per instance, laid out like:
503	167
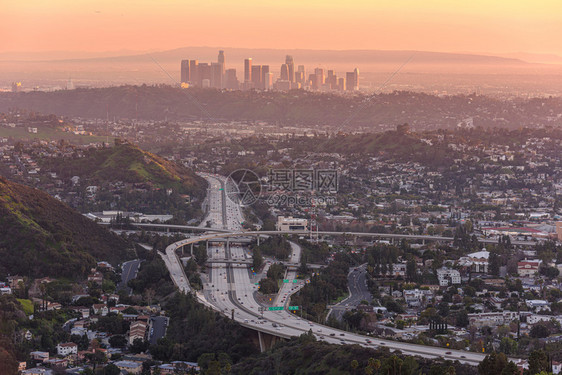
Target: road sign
275	308
293	307
286	281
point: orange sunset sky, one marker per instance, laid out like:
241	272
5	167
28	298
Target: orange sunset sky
433	25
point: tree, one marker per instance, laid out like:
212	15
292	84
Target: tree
411	270
111	369
118	341
538	361
462	319
139	346
492	364
494	263
510	369
149	294
354	365
539	330
257	259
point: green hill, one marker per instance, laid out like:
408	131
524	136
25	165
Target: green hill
128	163
40	236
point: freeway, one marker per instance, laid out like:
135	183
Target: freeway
230	290
128	272
358	291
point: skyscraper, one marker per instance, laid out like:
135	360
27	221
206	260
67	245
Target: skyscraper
184	71
319	73
231	81
256	77
203	73
332	79
193	72
284	72
265	77
352	80
220	60
247	70
216	75
290	67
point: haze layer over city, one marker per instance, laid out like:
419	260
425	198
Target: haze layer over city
296	187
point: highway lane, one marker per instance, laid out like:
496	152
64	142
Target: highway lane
231	288
129	271
358	291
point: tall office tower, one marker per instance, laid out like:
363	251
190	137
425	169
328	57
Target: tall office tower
247	70
264	76
268	81
216	75
193	72
284	72
319	73
299	78
184	71
341	84
203	73
220	60
256	77
311	80
331	79
291	67
231	82
352	80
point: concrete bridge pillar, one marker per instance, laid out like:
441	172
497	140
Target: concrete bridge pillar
207	244
267	341
258	237
192	249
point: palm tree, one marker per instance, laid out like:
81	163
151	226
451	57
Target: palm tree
354	365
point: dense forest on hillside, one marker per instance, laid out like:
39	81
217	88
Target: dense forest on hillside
128	163
305	355
40	236
299	107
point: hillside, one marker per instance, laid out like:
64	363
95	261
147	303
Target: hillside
128	163
398	145
40	236
167	103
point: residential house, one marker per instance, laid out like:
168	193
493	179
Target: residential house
448	276
528	268
64	349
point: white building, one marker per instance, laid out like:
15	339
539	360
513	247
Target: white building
291	224
67	348
478	261
493	318
399	269
448	276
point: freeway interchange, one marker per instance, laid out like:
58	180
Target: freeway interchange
230	290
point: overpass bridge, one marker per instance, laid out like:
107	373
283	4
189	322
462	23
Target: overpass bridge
387	236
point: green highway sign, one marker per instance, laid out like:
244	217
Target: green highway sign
290	281
293	307
275	308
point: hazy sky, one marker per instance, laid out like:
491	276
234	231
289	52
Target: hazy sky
433	25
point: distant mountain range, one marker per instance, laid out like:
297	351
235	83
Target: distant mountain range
41	236
235	56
